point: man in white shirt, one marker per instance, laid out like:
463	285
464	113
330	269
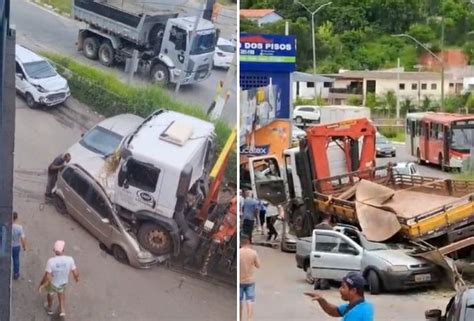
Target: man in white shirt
56	277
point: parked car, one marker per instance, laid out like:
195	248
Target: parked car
331	254
383	147
225	51
81	196
104	138
405	168
307	113
37	80
459	308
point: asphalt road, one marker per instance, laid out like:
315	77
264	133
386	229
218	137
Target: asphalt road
280	286
403	156
108	290
42	30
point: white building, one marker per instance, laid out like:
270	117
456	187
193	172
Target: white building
303	85
260	16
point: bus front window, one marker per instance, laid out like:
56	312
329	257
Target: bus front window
462	139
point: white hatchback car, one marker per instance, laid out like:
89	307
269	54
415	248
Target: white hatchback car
225	51
37	80
306	114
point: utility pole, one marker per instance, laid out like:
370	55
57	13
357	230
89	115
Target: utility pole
398	89
7	132
222	99
208	10
314	40
442	63
189	45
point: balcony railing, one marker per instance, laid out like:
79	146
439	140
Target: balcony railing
347	91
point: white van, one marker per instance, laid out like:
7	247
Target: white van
37	80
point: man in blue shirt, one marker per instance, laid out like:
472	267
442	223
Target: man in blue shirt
250	209
351	290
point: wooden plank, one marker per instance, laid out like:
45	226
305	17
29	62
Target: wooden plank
456	246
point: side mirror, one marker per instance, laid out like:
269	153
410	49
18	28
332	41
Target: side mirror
82	135
20	75
352	251
433	315
125	184
105	221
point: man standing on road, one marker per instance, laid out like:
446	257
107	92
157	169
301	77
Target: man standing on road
53	169
249	262
56	277
322	284
18	242
351	290
251	209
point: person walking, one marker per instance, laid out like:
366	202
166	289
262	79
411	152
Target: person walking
251	210
249	262
325	224
271	217
18	242
352	291
53	170
262	214
56	277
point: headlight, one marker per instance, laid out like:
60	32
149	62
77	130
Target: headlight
398	268
40	89
144	255
378	149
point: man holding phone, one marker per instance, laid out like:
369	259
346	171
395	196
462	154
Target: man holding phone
351	290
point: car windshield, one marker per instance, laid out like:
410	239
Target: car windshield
462	139
381	140
227	48
204	43
374	246
101	141
39	70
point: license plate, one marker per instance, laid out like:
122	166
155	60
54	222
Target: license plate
422	277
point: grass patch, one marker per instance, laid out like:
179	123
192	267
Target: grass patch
107	95
62	6
399	137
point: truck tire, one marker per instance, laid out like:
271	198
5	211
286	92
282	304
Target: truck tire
106	54
91	48
160	75
301	222
155	238
373	280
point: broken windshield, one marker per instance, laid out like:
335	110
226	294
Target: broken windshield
204	43
462	139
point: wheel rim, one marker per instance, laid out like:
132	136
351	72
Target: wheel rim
159	240
29	100
89	49
120	255
159	76
105	55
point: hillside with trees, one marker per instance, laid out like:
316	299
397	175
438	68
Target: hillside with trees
357	34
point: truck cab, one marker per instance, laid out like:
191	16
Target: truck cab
173	49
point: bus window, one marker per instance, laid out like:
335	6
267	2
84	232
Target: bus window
440	132
408	126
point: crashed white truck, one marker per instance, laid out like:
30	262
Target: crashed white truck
157	178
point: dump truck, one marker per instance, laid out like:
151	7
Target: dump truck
165	180
162	40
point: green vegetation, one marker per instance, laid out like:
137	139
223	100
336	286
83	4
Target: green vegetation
108	96
62	6
358	34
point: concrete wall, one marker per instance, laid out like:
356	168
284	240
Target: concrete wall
306	92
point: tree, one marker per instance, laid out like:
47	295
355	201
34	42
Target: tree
468	50
407	106
389	102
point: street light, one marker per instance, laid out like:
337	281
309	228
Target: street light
314	38
440	60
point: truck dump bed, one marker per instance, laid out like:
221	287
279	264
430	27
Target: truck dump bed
112	20
385	204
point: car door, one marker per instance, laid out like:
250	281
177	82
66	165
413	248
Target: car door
75	192
20	78
333	255
267	183
98	213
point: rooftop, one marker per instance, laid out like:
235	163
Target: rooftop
377	74
255	13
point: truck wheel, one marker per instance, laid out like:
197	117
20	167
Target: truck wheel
301	223
106	54
155	238
91	48
119	254
374	282
30	101
160	75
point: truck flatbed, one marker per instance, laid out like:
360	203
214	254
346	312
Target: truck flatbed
425	207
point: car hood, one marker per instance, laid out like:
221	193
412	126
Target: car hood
384	145
398	257
52	83
93	163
